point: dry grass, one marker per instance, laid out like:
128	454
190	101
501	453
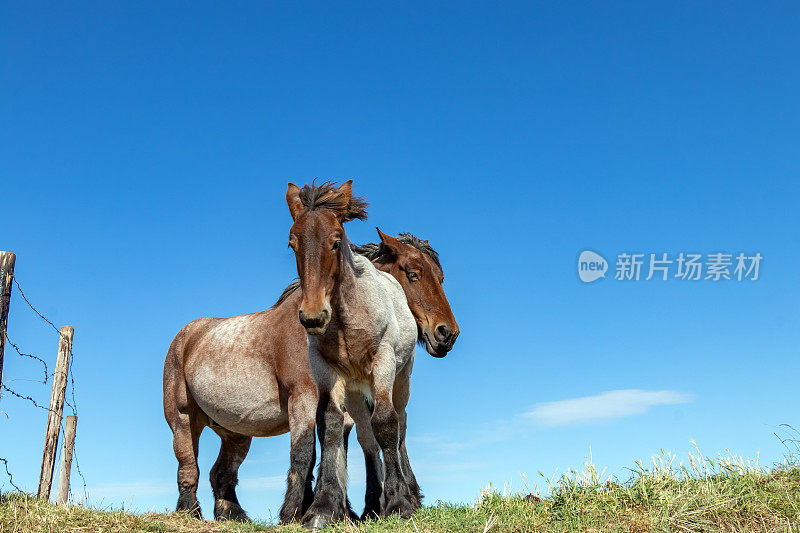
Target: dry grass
703	494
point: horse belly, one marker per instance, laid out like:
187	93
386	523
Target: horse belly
245	404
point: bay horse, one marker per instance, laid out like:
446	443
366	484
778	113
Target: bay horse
243	387
360	350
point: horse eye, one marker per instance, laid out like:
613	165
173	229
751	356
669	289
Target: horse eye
413	276
336	245
291	245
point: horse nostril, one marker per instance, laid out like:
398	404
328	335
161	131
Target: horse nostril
442	332
314	321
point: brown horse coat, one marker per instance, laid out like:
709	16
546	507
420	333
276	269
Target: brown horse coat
248	376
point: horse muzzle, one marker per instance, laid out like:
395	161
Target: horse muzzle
315	323
441	340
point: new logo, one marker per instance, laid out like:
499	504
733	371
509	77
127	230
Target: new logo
591	266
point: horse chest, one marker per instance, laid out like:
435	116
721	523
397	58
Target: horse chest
352	352
363	320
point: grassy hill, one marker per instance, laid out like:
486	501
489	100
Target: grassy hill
705	494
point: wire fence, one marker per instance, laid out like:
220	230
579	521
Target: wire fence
45	378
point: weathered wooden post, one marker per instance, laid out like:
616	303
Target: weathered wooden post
7	260
56	409
62	494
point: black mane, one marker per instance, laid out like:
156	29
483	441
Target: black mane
328	196
374	250
293	286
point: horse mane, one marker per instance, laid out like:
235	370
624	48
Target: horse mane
372	251
328	196
288	291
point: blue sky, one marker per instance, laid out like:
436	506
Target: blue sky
144	156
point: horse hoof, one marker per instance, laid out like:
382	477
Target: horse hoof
188	504
402	508
352	515
224	510
316	523
234	517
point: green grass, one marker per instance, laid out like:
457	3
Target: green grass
703	494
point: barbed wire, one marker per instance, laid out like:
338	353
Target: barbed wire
23	354
23	397
22	293
58	452
73	405
10	477
83	479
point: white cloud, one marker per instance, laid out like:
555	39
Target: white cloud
605	406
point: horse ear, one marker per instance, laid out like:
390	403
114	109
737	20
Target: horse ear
346	189
293	200
389	243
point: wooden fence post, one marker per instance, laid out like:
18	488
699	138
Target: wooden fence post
56	409
62	494
7	260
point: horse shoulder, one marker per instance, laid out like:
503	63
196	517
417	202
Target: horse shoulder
397	305
390	288
397	297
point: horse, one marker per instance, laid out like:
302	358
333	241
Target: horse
245	384
360	350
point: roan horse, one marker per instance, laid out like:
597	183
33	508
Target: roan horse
360	350
240	376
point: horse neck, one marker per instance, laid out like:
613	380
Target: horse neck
350	283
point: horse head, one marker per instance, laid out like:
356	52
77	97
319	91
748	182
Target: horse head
415	264
320	244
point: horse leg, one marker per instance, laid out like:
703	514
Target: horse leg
360	411
348	427
185	440
302	454
225	475
186	421
386	425
330	494
400	398
416	492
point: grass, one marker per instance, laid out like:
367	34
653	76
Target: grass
703	494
